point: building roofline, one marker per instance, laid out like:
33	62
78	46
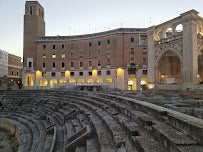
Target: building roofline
34	2
14	55
93	35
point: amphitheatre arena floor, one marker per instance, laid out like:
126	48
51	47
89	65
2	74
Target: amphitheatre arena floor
81	121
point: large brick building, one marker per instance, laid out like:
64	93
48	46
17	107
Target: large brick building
117	58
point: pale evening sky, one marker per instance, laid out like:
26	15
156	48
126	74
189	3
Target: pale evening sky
73	17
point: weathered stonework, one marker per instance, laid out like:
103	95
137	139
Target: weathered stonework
184	45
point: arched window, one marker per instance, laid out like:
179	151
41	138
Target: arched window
179	28
168	32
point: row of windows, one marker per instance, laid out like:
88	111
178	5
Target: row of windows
72	45
143	42
132	51
53	74
108	62
12	73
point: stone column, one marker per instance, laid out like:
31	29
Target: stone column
189	49
151	54
174	30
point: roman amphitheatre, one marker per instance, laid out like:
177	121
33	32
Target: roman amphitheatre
168	117
106	121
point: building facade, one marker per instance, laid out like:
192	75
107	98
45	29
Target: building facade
115	58
3	63
10	66
176	53
14	68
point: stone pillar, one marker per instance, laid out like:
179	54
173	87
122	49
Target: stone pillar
34	79
151	54
173	30
190	65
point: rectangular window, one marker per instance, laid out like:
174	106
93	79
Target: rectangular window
63	65
144	72
108	72
30	10
54	47
71	73
53	56
90	73
132	51
108	62
98	72
53	65
12	72
17	73
43	74
90	63
62	74
108	41
143	42
99	64
30	64
53	74
72	64
44	46
63	55
72	46
81	55
144	61
71	54
144	50
132	40
63	46
44	65
81	73
44	56
81	64
90	44
99	43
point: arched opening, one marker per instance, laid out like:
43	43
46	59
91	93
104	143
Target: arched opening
199	30
169	68
29	80
158	36
168	33
179	28
200	68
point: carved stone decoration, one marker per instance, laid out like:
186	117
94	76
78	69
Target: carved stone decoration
199	43
175	44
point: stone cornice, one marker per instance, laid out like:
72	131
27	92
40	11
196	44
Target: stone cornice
94	35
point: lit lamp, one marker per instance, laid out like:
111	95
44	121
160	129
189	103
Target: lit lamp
198	76
163	76
150	86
